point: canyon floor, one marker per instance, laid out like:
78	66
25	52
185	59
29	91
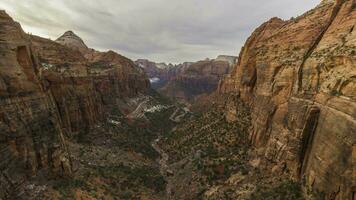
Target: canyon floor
116	159
162	151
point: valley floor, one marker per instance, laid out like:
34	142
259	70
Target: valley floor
160	151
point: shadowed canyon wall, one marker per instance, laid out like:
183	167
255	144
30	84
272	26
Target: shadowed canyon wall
31	136
298	76
49	92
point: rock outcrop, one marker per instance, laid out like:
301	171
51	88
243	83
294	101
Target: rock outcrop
50	91
230	59
71	40
298	76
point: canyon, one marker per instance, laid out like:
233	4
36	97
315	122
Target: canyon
54	95
276	122
188	81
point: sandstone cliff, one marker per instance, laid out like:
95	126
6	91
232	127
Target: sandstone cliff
159	73
85	82
51	91
187	81
31	134
196	79
298	76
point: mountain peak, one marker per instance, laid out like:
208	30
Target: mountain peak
71	40
69	32
227	58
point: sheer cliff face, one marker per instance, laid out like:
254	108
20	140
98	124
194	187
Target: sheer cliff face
187	81
84	83
49	91
159	73
31	138
298	76
198	78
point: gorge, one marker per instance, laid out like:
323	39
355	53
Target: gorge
278	121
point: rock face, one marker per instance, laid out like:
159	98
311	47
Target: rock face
188	80
159	73
48	92
298	77
198	78
31	135
84	82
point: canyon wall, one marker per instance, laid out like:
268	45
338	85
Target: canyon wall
299	78
198	78
31	137
190	80
84	83
49	92
159	73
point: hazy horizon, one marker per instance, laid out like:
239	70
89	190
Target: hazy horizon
174	32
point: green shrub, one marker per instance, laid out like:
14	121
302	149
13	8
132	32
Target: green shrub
288	190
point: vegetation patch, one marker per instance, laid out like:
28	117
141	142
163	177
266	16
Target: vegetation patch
286	190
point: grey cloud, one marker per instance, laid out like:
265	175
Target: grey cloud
160	30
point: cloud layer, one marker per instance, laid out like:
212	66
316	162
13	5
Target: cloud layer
160	30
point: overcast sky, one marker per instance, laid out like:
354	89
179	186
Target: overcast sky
160	30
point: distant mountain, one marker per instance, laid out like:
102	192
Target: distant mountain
185	81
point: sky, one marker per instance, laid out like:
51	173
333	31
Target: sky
159	30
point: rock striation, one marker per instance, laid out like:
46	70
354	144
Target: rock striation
159	73
31	135
51	91
71	40
298	77
196	79
186	81
84	83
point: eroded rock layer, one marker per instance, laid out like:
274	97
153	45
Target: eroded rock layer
196	79
49	91
82	87
31	137
188	81
298	76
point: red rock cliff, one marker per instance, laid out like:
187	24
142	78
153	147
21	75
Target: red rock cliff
31	136
194	79
298	76
84	83
49	91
